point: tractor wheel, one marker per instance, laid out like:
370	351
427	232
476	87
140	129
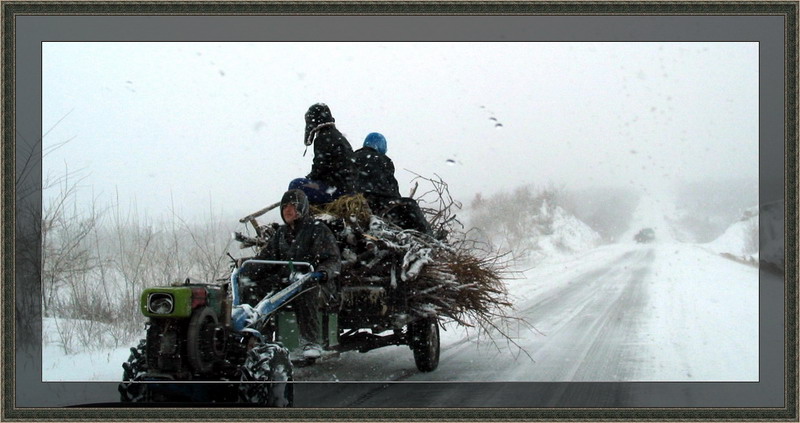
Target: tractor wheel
133	369
424	343
205	340
265	374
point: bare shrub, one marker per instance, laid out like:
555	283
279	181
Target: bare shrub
513	221
446	274
94	269
441	207
204	246
65	231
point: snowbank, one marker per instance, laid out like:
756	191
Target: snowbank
758	235
740	239
567	236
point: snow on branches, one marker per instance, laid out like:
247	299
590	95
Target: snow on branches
437	273
443	273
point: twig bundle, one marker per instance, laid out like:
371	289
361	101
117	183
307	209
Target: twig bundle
445	274
457	280
462	286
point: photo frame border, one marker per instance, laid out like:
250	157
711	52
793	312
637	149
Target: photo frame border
12	302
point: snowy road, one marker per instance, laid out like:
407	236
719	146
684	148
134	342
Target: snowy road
586	330
621	313
667	312
591	324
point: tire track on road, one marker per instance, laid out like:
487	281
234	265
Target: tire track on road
588	322
592	319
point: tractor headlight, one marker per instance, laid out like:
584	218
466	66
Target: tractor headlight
160	303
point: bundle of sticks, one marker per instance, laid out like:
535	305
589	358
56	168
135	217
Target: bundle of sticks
450	275
444	272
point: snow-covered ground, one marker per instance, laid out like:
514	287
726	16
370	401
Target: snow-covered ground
90	364
665	311
703	317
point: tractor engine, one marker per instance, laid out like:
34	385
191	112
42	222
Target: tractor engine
188	334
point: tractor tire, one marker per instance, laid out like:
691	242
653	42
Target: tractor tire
133	369
205	341
424	343
264	377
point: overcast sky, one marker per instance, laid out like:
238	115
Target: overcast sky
222	123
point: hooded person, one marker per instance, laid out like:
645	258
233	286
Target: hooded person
331	173
302	238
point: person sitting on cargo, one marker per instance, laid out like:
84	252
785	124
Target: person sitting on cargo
303	239
374	178
331	173
374	173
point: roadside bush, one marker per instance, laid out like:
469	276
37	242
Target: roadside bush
512	221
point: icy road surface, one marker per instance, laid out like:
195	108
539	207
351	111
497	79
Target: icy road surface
653	312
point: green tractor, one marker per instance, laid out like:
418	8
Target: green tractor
236	352
232	340
200	333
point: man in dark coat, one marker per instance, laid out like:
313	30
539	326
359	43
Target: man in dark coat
332	169
374	177
374	173
304	239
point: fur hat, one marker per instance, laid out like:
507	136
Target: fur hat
376	141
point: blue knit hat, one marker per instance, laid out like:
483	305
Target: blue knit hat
376	141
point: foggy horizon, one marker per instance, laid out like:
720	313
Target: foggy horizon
220	124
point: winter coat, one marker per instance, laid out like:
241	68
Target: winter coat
310	241
374	174
333	154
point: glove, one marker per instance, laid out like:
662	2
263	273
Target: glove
314	279
319	277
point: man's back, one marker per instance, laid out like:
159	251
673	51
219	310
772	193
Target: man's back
374	173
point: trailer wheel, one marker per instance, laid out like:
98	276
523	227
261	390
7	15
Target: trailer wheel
424	343
133	369
265	374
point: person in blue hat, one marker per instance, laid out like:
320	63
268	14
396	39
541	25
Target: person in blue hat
374	178
374	171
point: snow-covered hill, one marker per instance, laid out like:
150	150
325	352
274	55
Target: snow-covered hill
566	235
544	231
740	239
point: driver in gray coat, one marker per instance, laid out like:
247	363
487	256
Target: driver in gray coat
302	238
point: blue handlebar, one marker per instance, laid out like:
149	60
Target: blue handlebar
235	273
240	314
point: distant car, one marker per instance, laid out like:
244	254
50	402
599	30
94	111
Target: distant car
645	235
